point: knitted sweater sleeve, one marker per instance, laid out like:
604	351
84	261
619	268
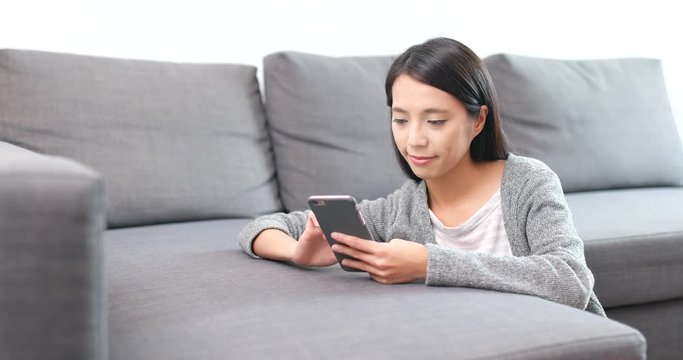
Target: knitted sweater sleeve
555	269
292	224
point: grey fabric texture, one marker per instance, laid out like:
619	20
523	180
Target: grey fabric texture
599	124
308	98
51	261
548	256
187	291
172	141
634	243
661	323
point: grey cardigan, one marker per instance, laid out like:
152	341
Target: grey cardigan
548	259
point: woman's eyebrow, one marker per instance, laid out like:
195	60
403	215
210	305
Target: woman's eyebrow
434	111
425	111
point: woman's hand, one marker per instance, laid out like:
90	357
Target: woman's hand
312	248
394	262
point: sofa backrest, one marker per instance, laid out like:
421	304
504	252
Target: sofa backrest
181	142
330	126
599	124
172	141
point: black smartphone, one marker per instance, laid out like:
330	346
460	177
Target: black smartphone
339	213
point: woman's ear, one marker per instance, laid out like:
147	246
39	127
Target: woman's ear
480	121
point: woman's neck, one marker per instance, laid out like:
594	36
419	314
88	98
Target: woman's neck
466	178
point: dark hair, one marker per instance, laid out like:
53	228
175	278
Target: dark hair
451	66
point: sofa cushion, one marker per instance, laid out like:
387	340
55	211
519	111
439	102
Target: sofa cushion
173	141
633	243
185	291
661	323
599	124
330	126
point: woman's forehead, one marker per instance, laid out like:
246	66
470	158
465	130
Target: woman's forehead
410	95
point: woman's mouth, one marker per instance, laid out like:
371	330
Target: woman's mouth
420	160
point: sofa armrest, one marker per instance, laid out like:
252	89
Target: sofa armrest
52	298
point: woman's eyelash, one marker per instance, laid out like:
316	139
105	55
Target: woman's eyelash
431	122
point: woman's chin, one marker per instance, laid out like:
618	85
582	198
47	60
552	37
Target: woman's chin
422	173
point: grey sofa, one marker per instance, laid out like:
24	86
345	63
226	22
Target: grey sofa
123	185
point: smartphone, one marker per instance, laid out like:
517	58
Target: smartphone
339	213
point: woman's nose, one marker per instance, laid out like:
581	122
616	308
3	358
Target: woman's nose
416	137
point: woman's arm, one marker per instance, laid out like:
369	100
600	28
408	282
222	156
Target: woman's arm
555	276
555	269
290	224
278	236
275	245
310	248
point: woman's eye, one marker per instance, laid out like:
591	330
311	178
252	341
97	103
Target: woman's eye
400	121
436	122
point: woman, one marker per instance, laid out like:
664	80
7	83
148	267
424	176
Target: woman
471	215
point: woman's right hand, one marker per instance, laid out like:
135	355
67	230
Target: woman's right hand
312	248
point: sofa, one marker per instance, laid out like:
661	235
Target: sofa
124	184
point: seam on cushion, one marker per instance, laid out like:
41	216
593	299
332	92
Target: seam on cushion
646	236
626	304
562	345
674	301
664	300
636	268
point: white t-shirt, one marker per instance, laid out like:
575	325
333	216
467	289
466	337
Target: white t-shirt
484	231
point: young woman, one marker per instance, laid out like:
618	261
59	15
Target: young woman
471	215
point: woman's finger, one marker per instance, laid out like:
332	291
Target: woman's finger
342	249
364	245
360	265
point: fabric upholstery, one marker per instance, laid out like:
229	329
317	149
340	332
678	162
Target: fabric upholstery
172	141
660	322
633	243
330	126
599	124
191	282
51	261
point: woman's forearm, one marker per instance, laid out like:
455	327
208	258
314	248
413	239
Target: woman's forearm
275	245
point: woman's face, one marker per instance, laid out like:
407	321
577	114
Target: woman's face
431	128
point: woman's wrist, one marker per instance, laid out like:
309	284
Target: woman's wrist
274	244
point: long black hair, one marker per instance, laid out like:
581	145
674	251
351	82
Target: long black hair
452	67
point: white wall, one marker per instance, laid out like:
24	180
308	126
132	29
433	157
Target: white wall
245	31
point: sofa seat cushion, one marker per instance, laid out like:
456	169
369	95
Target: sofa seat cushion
186	291
173	141
633	243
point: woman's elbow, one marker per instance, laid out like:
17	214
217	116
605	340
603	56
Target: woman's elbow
578	290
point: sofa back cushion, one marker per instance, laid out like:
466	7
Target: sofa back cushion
330	126
173	141
599	124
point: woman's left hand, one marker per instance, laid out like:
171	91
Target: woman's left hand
394	262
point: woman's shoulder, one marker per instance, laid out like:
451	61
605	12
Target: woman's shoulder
523	172
521	168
